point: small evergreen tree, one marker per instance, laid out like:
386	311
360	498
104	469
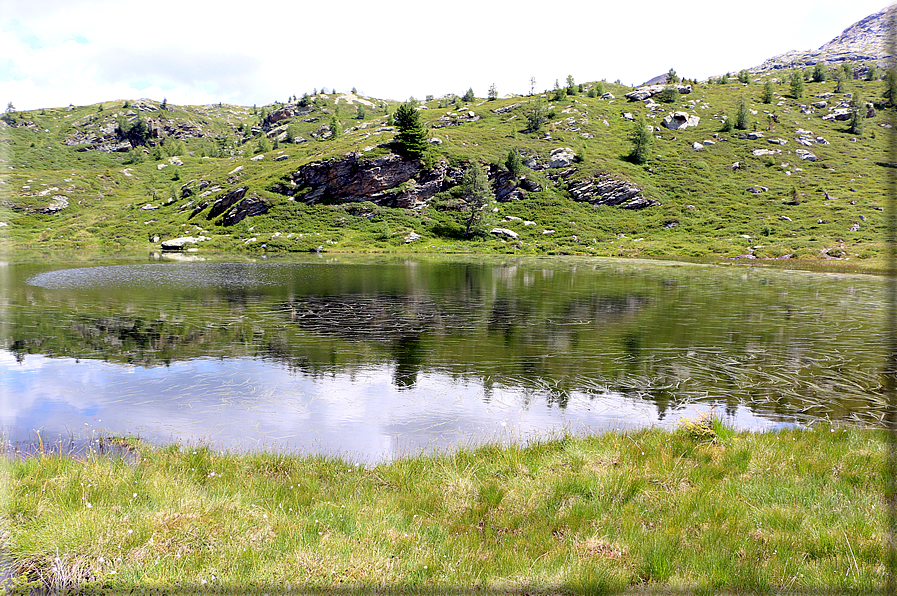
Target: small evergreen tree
724	80
559	92
641	141
890	92
335	127
767	92
669	94
468	97
493	93
672	77
847	69
839	81
536	115
857	113
797	84
742	116
872	73
359	112
411	137
571	85
514	163
744	77
819	73
476	192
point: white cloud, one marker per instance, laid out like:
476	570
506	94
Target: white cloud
59	52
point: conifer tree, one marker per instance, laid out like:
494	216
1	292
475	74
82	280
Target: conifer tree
857	107
493	93
513	163
767	92
797	84
411	137
641	141
890	92
742	116
476	192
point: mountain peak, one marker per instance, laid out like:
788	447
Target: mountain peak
864	41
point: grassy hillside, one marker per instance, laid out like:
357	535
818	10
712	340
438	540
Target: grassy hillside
59	195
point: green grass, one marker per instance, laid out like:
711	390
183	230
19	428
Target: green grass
705	209
700	509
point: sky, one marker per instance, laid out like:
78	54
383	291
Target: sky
59	52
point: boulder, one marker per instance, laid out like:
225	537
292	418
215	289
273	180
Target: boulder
505	232
762	152
751	136
680	120
697	146
281	157
819	105
561	157
805	155
411	237
180	243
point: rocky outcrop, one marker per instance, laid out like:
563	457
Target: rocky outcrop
181	243
648	91
248	207
606	189
229	199
390	181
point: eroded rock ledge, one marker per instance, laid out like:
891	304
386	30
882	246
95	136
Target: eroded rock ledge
392	181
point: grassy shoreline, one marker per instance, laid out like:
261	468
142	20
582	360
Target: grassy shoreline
699	509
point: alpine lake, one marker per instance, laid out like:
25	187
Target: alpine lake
373	358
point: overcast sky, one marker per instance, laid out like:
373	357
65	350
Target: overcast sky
57	52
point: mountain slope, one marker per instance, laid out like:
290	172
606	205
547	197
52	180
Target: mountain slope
864	41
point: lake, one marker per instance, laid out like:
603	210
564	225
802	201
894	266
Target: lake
377	357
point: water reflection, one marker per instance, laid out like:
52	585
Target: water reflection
376	355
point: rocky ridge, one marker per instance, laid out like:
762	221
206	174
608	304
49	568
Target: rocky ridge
864	41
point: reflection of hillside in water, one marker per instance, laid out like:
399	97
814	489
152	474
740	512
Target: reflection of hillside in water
784	346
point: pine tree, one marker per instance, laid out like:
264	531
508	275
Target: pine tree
411	137
672	77
857	107
493	93
469	96
335	128
513	163
742	116
839	81
641	141
819	73
476	192
797	84
767	92
890	92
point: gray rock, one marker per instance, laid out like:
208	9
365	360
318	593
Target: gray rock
226	202
281	157
248	207
805	155
505	232
561	157
751	136
697	146
680	120
180	243
411	237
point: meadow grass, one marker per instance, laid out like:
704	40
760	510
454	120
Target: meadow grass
700	509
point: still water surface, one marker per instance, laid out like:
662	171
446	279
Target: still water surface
374	358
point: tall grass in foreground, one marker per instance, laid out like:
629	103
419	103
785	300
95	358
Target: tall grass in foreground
702	508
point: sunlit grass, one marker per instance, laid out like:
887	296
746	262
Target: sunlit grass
699	508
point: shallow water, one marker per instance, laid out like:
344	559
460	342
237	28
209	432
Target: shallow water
374	358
